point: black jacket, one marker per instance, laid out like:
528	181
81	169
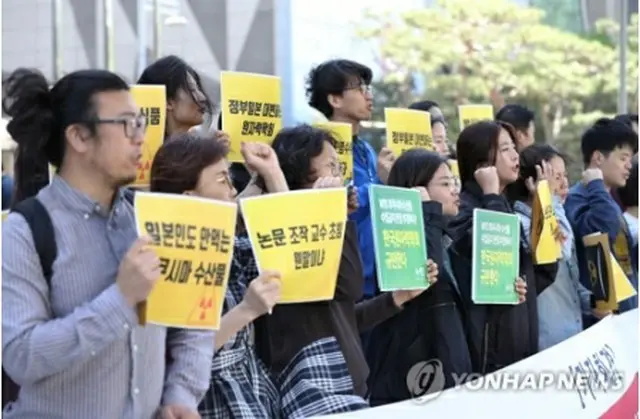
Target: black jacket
429	327
498	335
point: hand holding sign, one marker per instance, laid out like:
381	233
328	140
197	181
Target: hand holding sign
543	172
402	296
521	289
138	272
352	200
263	293
487	178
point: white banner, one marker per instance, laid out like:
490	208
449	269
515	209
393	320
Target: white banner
592	375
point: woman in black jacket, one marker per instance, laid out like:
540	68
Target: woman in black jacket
430	328
498	335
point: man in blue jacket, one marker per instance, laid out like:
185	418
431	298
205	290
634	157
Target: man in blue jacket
607	149
341	91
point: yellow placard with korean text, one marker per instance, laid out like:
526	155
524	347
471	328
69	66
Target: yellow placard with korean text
343	134
407	129
251	109
5	214
193	237
470	114
301	238
609	284
546	249
152	101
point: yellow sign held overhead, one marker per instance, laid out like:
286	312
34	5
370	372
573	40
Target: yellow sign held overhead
470	114
251	109
301	238
407	129
193	237
152	102
544	226
343	134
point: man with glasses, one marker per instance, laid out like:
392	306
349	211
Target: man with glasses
341	90
70	333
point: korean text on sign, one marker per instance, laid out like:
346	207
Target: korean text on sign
496	257
193	238
407	129
153	105
301	238
399	239
343	134
546	249
470	114
251	109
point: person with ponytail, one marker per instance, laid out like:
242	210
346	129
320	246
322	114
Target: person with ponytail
70	333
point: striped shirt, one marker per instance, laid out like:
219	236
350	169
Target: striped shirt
75	348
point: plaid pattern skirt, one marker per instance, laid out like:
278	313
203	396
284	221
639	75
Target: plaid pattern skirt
316	382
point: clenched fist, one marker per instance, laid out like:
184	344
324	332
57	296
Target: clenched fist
386	158
138	272
590	175
487	178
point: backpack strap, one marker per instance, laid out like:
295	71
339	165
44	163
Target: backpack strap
130	195
41	226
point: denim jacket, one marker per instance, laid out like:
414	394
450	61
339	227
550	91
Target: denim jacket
562	305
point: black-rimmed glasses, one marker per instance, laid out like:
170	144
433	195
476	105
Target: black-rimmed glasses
133	125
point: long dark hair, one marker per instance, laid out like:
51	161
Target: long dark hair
40	117
477	145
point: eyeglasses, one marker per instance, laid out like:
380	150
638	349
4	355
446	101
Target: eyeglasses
133	125
364	88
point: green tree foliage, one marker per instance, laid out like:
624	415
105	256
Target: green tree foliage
498	49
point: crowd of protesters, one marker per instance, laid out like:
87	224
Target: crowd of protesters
70	333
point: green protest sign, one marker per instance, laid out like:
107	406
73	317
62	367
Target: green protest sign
398	238
496	257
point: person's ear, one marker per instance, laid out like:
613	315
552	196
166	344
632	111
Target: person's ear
77	136
335	101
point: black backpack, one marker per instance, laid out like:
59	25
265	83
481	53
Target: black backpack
44	240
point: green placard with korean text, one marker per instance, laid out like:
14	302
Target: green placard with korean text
496	257
399	239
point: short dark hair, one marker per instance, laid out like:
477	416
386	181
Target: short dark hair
331	78
295	148
40	117
424	105
520	117
477	145
172	71
177	165
530	157
415	167
628	119
629	192
605	136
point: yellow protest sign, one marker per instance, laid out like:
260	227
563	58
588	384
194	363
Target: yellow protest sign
152	101
5	214
470	114
343	134
193	237
301	238
609	284
543	227
621	248
407	129
250	109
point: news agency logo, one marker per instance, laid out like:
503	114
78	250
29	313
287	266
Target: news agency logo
425	380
